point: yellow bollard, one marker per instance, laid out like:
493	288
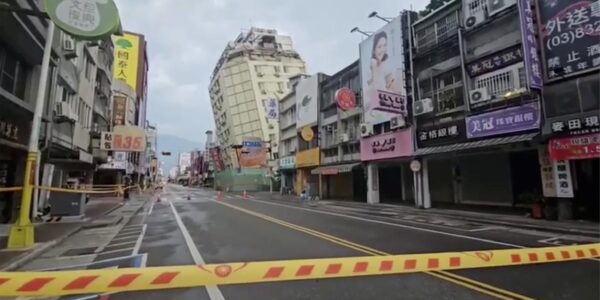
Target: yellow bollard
21	234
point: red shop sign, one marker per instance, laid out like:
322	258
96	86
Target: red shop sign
345	98
575	147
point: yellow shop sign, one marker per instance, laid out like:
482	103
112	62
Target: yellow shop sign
308	158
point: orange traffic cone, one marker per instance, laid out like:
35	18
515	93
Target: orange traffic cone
245	194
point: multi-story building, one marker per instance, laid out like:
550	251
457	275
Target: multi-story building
308	155
21	46
288	137
184	163
247	83
477	106
70	150
341	173
386	144
571	98
129	101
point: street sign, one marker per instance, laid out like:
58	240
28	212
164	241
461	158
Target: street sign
84	19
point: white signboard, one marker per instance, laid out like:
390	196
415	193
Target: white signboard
272	109
382	74
307	92
556	176
562	177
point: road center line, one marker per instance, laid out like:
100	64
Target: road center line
214	293
454	278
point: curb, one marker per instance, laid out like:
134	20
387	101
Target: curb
38	250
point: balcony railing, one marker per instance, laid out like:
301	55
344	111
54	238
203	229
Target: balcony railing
435	35
502	81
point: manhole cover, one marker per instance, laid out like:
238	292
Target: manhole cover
79	251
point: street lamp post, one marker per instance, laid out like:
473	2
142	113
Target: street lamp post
356	29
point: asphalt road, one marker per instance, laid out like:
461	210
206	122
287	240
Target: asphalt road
202	230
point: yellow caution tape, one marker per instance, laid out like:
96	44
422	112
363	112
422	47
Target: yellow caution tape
153	278
74	191
11	189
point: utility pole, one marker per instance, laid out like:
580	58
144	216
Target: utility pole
22	234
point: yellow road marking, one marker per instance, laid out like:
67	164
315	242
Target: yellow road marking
456	279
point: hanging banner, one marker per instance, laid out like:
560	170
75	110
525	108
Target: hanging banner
272	109
127	49
84	19
530	45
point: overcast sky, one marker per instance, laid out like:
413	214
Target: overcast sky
186	37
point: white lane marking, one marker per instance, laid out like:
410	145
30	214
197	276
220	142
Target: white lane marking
214	293
486	228
404	226
151	208
394	224
138	244
116	250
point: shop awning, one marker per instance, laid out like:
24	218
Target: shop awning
333	170
476	144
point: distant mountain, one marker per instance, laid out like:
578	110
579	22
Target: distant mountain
175	145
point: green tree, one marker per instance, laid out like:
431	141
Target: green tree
433	5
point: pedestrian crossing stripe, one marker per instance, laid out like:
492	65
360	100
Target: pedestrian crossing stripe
63	283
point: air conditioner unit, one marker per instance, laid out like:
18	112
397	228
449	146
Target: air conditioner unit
479	95
422	106
263	92
329	128
280	91
397	122
68	44
277	74
496	6
260	74
63	110
475	19
366	129
345	137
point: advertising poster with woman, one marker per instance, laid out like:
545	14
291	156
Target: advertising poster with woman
382	69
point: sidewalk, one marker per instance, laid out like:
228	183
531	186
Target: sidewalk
499	217
48	234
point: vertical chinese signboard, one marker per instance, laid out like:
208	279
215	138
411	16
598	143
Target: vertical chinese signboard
556	176
530	45
119	110
127	48
570	36
272	109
